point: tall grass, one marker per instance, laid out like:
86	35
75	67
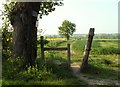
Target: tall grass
54	71
47	73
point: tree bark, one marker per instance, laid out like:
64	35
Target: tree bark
25	30
68	37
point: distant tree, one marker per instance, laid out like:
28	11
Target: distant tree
67	29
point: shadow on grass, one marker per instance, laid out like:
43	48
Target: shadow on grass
102	72
61	70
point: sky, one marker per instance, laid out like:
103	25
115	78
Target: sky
99	14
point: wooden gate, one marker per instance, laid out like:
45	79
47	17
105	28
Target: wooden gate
58	49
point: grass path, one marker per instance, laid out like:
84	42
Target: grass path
91	81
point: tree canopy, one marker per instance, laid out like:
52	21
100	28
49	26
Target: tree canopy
67	29
23	17
11	8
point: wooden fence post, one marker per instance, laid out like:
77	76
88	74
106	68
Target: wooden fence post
47	49
68	53
42	47
87	49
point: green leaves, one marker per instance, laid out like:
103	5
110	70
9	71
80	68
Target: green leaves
47	7
67	29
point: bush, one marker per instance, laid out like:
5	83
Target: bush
35	74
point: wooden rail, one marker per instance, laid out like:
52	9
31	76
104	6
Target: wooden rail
57	49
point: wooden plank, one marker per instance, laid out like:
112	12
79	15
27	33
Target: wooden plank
42	48
68	54
57	49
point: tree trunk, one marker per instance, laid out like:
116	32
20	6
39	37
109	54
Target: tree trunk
25	31
68	37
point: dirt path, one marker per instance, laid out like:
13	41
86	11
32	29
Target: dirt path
91	81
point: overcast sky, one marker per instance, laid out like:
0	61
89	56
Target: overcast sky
99	14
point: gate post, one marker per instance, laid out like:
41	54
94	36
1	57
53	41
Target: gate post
42	47
68	53
87	49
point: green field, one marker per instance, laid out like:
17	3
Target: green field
99	47
103	64
103	56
